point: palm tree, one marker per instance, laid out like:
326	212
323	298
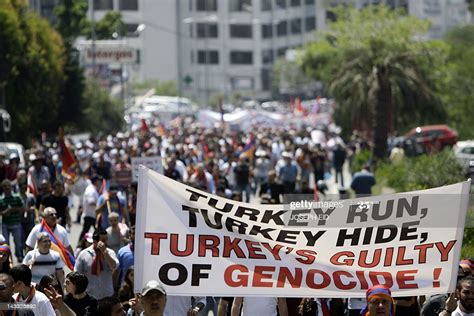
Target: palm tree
372	63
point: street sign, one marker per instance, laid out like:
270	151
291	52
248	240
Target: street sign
188	80
107	52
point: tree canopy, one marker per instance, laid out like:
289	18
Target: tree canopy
459	89
34	69
379	68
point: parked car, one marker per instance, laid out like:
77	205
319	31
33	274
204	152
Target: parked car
433	137
410	147
464	152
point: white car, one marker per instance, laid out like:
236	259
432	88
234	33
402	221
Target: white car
464	152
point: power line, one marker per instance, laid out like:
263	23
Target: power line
165	29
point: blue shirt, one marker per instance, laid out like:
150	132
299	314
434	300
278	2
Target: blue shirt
362	182
289	172
126	258
117	204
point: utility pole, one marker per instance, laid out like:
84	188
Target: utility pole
178	48
93	37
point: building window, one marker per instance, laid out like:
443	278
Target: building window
241	57
266	79
208	57
207	30
280	4
282	28
267	30
241	31
192	57
266	5
296	26
129	5
130	29
206	5
295	3
242	83
240	5
310	23
191	5
309	2
267	56
191	30
281	51
331	16
103	4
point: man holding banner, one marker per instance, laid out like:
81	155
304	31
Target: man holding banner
461	303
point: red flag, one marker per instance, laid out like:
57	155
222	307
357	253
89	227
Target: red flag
144	126
298	105
161	129
66	156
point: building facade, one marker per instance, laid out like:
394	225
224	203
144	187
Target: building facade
226	47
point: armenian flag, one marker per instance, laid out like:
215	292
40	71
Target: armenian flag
58	246
249	148
67	158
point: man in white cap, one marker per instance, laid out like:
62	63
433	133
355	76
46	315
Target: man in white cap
152	301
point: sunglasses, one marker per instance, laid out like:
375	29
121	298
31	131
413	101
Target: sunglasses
52	214
3	286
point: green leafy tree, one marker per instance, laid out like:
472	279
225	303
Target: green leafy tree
422	172
373	62
288	77
459	90
103	114
168	88
35	75
12	39
71	23
470	4
111	23
72	19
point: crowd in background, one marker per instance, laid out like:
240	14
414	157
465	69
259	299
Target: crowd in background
96	276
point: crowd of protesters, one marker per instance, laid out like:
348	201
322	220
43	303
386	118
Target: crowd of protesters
96	278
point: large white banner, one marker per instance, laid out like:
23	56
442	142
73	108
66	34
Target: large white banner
154	163
196	243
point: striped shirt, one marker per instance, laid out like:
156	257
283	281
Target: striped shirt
14	217
43	264
122	175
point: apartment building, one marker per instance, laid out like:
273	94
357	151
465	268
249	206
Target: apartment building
229	46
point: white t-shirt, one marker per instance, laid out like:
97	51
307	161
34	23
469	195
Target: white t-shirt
261	306
43	264
356	303
89	200
59	231
458	312
43	306
179	305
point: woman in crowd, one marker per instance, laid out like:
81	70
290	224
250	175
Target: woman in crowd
125	293
5	259
47	281
76	296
